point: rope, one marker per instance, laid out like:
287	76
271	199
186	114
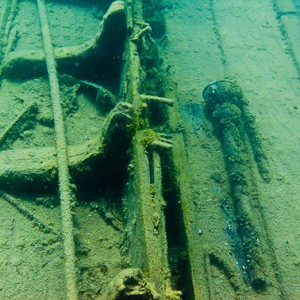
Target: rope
8	14
66	195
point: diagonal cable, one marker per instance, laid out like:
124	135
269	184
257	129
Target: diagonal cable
66	195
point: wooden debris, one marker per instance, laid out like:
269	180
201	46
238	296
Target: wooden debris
22	122
150	98
141	33
27	214
72	59
104	96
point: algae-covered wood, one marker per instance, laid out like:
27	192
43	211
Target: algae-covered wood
149	149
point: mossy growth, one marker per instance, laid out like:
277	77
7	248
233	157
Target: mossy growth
226	106
220	92
148	139
227	114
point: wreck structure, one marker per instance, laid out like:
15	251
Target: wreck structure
115	182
